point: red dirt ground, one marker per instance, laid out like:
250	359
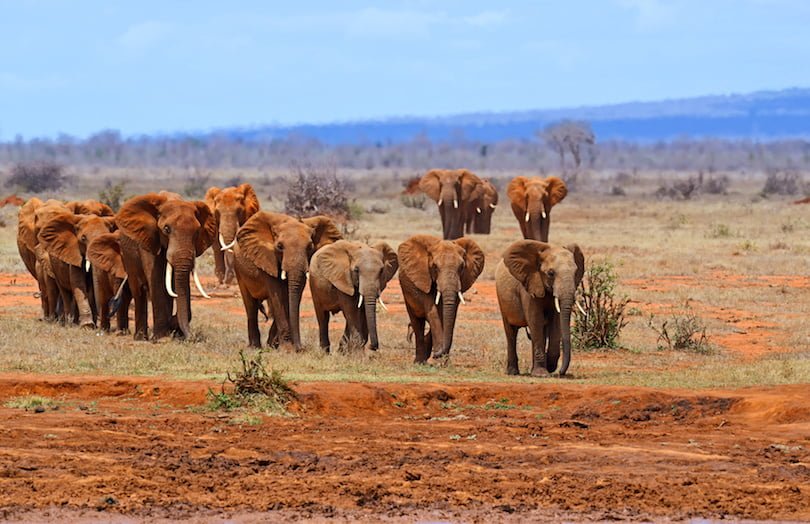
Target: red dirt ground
119	448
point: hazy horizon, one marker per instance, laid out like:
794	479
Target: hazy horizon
155	68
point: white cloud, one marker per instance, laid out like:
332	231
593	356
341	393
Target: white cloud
142	36
374	22
651	14
487	18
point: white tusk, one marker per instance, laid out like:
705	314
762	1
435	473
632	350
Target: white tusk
461	297
86	266
360	300
581	310
543	212
557	304
493	206
222	243
438	297
169	290
478	210
283	275
121	287
455	203
199	285
307	274
382	303
527	216
227	247
439	203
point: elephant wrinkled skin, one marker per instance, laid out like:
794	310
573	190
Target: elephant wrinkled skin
536	283
349	277
433	274
231	206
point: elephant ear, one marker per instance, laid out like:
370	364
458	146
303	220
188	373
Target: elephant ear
251	200
523	259
579	260
431	185
414	260
324	231
470	183
516	191
208	227
25	225
137	219
473	262
556	189
58	235
109	222
90	207
210	196
257	242
390	263
494	193
104	252
334	264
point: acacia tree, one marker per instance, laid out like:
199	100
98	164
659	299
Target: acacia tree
569	136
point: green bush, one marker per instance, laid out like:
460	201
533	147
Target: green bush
112	194
603	318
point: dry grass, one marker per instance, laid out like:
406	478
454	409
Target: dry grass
758	324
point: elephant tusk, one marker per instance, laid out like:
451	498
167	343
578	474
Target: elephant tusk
543	212
493	206
581	309
557	304
283	275
199	285
382	304
478	210
438	297
86	266
360	301
168	282
306	274
121	287
461	297
455	203
527	216
227	247
439	203
222	242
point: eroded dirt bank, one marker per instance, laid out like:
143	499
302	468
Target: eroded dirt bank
132	447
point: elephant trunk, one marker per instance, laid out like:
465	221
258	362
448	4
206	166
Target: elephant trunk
565	329
371	319
296	284
452	208
449	310
181	287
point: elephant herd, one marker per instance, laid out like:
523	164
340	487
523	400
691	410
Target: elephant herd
92	264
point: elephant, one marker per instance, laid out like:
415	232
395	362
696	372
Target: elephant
35	257
231	206
532	200
65	236
161	235
90	207
452	191
271	259
433	274
347	276
109	281
535	283
482	205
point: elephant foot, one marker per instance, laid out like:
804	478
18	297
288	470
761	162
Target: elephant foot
539	371
122	333
88	325
140	335
441	359
512	370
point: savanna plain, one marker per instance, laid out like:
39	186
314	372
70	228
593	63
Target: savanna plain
100	427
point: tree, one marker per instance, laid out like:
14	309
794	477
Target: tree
569	136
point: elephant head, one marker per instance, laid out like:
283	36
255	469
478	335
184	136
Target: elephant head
90	207
452	190
282	246
231	206
66	235
359	270
485	200
544	269
532	200
104	253
446	268
178	231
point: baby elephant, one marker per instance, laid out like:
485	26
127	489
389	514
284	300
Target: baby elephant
350	277
535	283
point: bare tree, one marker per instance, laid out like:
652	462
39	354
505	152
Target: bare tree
569	136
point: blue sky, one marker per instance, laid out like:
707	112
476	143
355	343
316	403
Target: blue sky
156	66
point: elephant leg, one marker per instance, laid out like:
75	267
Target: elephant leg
252	312
356	331
122	315
511	332
436	330
230	274
273	336
539	338
219	263
102	293
140	296
67	315
554	336
323	328
78	284
422	348
52	292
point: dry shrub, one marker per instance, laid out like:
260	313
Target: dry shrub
782	183
317	191
684	331
196	185
603	318
37	177
253	386
112	194
715	185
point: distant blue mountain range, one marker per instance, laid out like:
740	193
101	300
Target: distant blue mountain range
765	115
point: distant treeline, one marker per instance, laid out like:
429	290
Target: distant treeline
109	149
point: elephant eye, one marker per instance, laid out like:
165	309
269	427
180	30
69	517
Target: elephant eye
551	273
167	229
280	246
84	238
